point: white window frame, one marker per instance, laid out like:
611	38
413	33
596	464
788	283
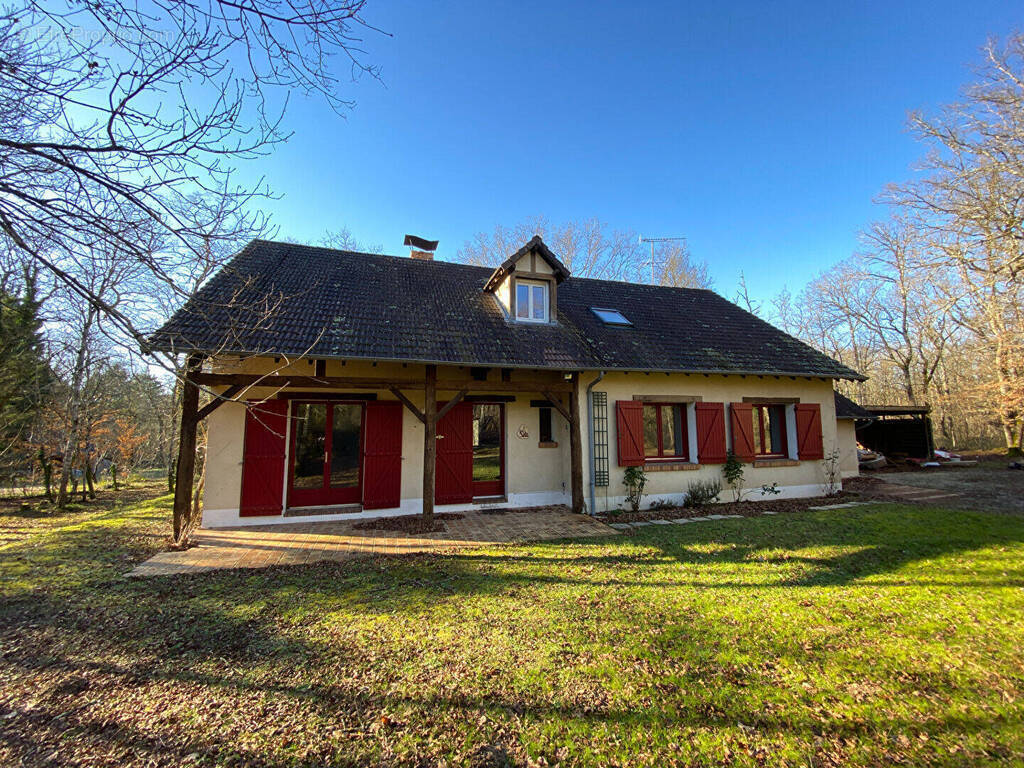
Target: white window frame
529	301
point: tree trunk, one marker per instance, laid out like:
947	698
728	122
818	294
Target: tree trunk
44	460
90	479
172	444
75	408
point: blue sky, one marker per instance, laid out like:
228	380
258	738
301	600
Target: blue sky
760	131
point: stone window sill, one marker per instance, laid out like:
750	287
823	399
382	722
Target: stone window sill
547	445
669	466
776	463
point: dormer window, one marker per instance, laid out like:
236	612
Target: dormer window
525	285
532	301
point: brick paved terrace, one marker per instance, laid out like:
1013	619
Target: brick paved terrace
259	546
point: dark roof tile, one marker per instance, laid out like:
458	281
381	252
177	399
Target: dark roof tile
287	299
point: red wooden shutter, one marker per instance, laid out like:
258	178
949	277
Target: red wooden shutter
741	420
808	431
629	421
453	479
382	455
710	433
263	459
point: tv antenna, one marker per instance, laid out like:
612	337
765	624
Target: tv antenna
652	241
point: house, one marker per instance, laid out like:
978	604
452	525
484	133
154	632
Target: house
352	384
850	417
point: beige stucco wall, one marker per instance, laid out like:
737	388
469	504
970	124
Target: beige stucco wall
534	474
846	439
805	479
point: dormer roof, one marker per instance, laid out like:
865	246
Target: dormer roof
535	245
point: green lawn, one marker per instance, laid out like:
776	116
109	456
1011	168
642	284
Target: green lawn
871	636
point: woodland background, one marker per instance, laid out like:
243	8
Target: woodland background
114	208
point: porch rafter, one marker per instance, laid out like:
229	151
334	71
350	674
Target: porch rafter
358	382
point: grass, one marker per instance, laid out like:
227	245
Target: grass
872	636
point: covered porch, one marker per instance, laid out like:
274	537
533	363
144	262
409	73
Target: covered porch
436	435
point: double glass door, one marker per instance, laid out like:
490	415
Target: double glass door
327	442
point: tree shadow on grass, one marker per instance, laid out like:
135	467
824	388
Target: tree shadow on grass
241	635
257	662
857	545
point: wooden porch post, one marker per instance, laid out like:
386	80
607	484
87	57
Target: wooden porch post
429	440
186	447
576	446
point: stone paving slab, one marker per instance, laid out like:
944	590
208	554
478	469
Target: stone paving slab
260	546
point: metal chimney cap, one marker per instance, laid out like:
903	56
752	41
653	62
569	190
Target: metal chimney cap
419	242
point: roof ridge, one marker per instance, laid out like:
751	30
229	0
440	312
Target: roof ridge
401	259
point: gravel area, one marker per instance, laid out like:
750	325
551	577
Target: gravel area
987	487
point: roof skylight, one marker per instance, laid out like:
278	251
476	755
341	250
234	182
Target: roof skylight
610	316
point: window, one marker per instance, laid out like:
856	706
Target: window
770	430
610	316
665	431
532	301
545	426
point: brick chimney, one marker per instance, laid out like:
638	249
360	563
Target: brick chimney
421	249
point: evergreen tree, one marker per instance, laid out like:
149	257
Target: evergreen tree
25	375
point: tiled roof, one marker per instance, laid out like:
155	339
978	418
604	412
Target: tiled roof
847	409
287	299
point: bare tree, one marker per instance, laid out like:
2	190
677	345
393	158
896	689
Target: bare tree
744	299
677	267
84	347
344	240
121	119
590	248
972	198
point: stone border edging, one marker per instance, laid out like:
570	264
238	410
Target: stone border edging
685	520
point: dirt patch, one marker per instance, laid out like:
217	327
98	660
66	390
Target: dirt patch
408	523
36	505
987	487
745	508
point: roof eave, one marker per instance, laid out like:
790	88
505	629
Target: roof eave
191	349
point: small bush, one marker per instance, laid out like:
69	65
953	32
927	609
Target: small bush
635	480
659	504
733	472
701	492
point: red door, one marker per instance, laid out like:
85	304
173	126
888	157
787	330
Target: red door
470	453
453	483
382	464
263	459
327	452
